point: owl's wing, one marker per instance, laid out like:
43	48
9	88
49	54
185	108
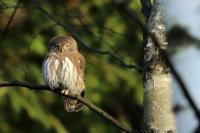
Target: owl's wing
81	62
78	60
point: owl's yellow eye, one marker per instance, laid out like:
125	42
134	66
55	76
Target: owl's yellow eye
66	46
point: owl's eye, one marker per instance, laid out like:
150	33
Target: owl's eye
57	47
67	46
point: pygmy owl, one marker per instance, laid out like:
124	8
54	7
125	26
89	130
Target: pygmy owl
63	69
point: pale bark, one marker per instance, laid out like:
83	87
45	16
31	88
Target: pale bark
158	115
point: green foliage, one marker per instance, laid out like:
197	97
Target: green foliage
114	88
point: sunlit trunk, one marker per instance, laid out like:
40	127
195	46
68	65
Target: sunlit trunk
158	115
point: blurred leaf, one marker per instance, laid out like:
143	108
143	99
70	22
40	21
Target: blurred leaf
115	89
38	46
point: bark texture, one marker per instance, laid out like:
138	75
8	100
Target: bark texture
158	115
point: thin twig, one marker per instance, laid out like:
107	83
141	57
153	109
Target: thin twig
146	8
75	35
115	57
90	105
91	33
2	3
9	22
35	36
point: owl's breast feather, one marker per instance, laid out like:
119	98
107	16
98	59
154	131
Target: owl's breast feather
61	73
68	75
49	70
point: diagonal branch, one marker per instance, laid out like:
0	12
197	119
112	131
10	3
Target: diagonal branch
146	7
90	105
75	35
9	22
35	36
66	27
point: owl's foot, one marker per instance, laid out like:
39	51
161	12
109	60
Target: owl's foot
65	91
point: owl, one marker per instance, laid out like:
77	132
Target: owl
63	70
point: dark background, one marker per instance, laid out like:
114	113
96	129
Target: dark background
100	24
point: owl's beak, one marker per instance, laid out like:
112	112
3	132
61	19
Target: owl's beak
61	50
65	48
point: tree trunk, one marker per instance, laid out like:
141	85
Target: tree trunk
158	115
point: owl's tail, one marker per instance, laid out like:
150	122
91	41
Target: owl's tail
72	105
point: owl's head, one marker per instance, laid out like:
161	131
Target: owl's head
62	44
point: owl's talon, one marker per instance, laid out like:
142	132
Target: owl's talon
65	92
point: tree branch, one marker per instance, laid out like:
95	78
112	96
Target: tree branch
74	34
90	105
66	27
146	7
9	22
